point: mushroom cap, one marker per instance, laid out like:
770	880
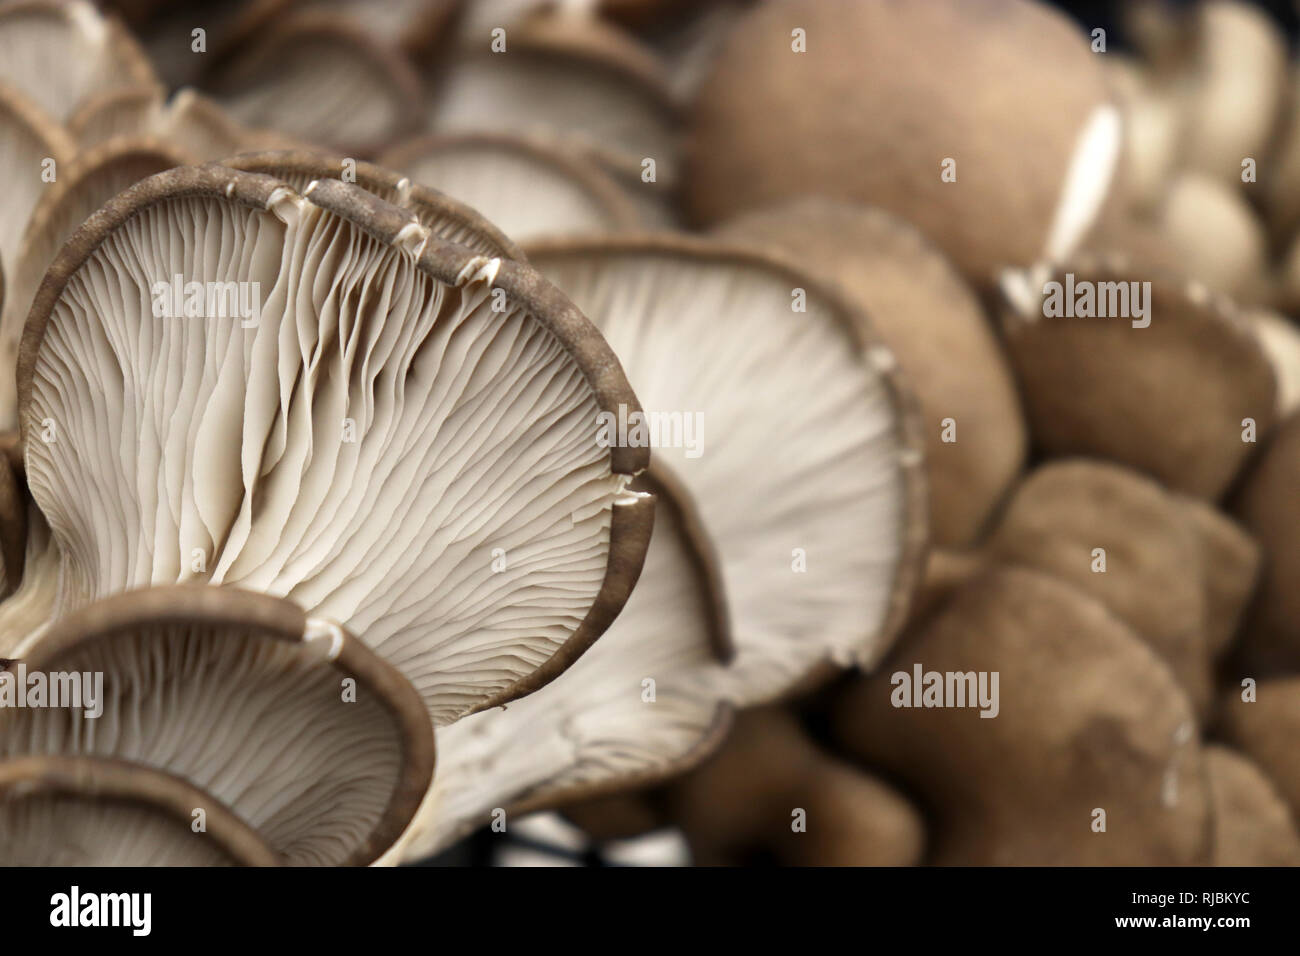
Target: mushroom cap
574	79
1099	387
472	385
1011	110
118	111
415	26
925	312
1252	824
13	529
28	137
529	187
1265	730
1231	558
1268	506
94	811
327	753
1155	575
1088	718
92	51
84	184
740	803
323	79
599	729
1216	234
816	457
446	216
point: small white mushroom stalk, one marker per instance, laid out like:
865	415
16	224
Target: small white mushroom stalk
291	724
83	811
529	188
62	51
400	437
786	427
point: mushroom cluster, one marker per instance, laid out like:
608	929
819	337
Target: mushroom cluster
418	415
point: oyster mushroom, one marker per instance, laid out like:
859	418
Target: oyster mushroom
84	184
29	140
414	26
91	811
1116	388
1265	730
13	529
805	458
396	411
91	52
1030	178
1252	824
327	753
1088	720
928	316
442	214
568	78
323	80
529	188
638	708
1268	505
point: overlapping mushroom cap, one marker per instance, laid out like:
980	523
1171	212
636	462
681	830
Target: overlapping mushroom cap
395	414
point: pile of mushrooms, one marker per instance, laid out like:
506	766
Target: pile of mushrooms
420	416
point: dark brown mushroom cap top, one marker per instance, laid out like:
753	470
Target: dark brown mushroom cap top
91	50
1265	729
447	217
93	811
529	186
1102	388
930	317
325	80
13	528
292	723
399	411
885	92
642	706
1087	718
808	471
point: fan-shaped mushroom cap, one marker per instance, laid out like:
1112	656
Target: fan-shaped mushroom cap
805	459
568	78
446	217
529	188
30	608
1268	504
397	410
1231	561
1280	339
1103	387
636	709
1088	719
1266	730
1149	573
932	321
323	80
84	184
1012	108
120	111
91	811
1252	823
29	139
61	51
292	723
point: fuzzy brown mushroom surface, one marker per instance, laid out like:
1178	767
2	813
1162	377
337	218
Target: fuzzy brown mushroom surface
92	811
788	425
292	723
1261	718
374	419
1103	354
1087	756
932	134
1253	826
